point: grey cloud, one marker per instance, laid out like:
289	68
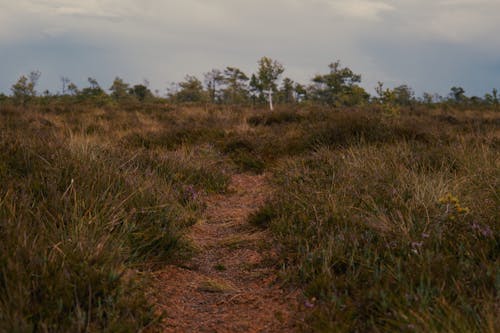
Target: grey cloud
396	41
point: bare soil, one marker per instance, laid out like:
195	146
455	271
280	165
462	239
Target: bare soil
231	284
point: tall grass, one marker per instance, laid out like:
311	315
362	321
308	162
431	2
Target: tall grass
400	234
390	221
82	218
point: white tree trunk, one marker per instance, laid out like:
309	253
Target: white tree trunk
271	100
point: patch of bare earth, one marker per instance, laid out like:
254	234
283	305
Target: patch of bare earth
231	284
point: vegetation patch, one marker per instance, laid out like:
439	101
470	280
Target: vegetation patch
275	118
385	213
386	239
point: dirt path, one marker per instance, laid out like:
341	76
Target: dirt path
230	285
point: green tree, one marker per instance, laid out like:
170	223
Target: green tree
119	89
301	92
427	98
404	95
287	91
73	89
213	81
337	87
93	90
354	96
458	94
379	89
21	91
401	95
24	89
268	74
256	90
236	91
190	90
492	99
141	92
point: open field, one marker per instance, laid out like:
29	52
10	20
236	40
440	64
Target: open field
385	221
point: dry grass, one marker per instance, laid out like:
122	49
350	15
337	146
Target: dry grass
395	233
82	214
92	198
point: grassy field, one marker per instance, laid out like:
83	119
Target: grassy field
388	221
392	224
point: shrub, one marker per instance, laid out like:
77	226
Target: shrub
274	118
243	153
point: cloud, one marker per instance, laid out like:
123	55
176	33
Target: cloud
360	9
388	40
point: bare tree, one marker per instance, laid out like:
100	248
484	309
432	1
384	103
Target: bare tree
64	82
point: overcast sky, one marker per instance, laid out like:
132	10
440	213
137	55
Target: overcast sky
430	45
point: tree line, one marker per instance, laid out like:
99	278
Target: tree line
339	86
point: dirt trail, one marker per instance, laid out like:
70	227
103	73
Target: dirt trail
230	285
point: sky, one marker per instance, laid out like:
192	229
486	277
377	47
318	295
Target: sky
430	45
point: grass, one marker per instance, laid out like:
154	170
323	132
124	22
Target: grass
389	221
83	218
211	286
393	234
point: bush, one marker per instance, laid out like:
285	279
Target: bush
274	118
243	153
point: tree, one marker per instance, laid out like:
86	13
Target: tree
476	100
24	89
492	99
34	76
427	98
119	89
190	90
403	95
141	92
73	89
94	89
287	91
256	90
21	90
213	80
64	82
268	75
93	83
337	87
355	96
381	92
458	94
301	92
236	91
